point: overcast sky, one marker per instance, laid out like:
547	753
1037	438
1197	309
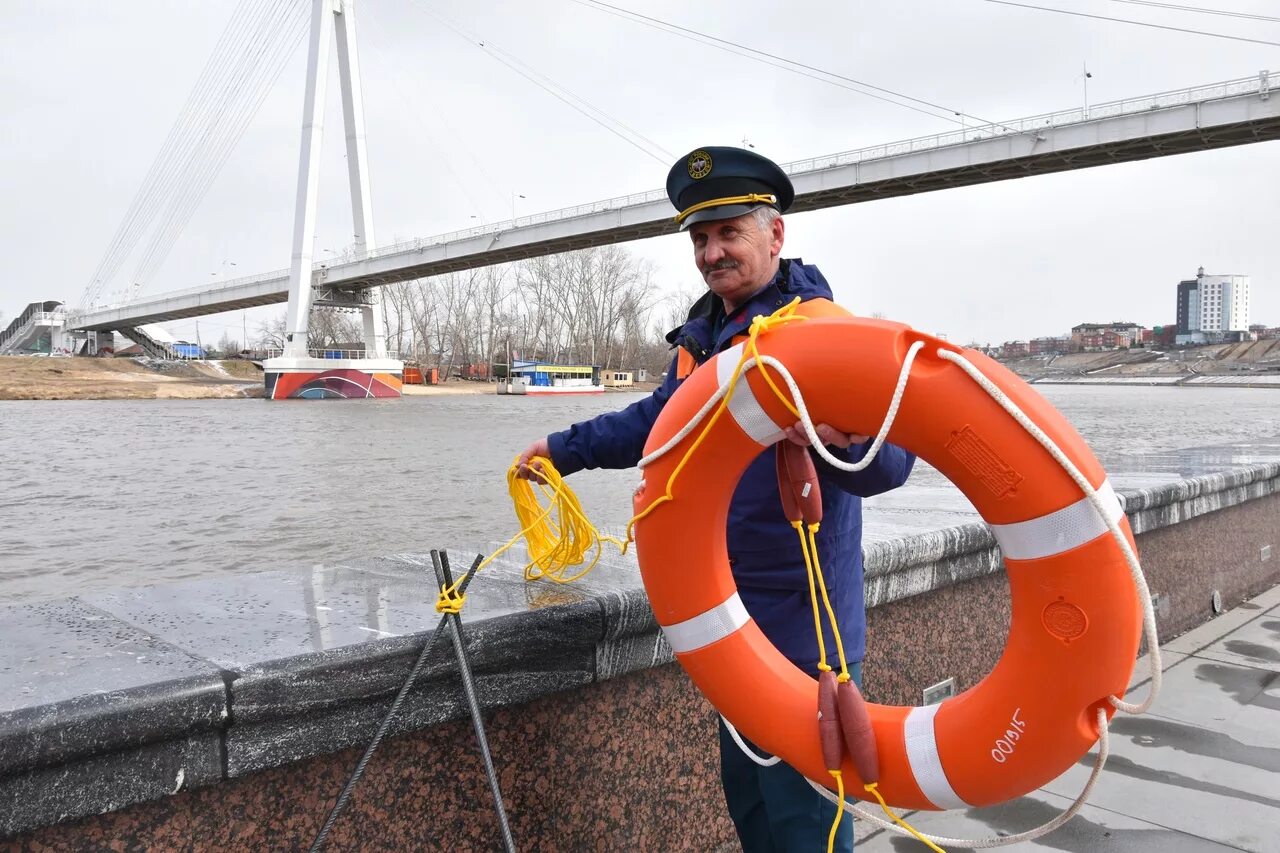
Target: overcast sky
90	90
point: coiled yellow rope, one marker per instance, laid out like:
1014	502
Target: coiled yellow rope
559	535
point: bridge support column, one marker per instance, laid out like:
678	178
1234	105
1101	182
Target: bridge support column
299	373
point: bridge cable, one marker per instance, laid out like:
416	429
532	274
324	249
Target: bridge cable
186	179
1180	8
138	214
171	175
410	109
225	129
225	124
790	64
1136	23
207	111
136	217
582	106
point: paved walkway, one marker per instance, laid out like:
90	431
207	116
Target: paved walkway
1199	772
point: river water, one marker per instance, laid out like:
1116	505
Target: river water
96	494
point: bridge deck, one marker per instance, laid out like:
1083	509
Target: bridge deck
1222	115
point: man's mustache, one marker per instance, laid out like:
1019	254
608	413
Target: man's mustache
722	265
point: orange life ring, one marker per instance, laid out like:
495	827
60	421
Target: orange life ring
1076	619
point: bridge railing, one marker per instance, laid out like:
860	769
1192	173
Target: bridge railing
1030	124
198	289
327	352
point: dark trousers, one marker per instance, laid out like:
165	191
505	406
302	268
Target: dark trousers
773	808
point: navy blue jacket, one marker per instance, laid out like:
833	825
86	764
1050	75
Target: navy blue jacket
764	551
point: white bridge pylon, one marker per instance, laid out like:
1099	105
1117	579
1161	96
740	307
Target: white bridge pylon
298	373
330	18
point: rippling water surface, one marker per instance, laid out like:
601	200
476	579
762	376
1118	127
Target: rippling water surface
95	494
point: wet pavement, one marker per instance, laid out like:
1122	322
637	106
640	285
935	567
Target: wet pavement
1199	772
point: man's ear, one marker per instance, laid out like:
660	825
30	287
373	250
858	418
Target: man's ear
777	234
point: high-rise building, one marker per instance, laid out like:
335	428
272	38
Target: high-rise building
1212	306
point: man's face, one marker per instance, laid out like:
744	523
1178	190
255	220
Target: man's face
736	258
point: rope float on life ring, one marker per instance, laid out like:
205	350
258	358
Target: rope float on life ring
1077	592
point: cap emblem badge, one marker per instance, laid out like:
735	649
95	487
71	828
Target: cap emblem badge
699	164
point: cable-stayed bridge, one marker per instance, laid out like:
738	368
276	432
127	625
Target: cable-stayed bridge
1201	118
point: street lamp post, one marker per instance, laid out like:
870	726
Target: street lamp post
514	196
1084	80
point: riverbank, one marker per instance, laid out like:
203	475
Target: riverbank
1251	364
44	378
73	378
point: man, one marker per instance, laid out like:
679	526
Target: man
730	202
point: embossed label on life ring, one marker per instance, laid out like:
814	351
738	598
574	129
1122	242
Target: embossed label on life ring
983	462
1065	620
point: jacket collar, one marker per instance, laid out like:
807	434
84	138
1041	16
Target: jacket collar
707	329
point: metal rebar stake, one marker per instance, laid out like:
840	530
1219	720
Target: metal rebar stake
440	561
318	843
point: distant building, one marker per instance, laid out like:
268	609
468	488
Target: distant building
1212	306
617	378
1051	346
1013	349
1262	333
1165	336
1121	334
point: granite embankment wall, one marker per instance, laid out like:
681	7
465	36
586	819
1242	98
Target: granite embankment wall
227	713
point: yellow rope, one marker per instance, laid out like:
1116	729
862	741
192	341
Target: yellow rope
559	535
826	603
450	600
785	314
835	824
813	597
872	789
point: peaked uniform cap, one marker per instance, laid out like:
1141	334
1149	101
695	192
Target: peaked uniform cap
718	182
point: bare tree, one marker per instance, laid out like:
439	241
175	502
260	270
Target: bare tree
592	306
334	328
598	306
228	344
547	317
397	319
271	333
325	329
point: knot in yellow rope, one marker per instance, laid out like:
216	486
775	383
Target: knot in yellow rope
450	600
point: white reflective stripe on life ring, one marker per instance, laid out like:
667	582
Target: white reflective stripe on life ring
744	406
926	765
707	627
1067	528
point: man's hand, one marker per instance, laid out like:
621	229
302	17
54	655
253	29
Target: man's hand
528	470
827	434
